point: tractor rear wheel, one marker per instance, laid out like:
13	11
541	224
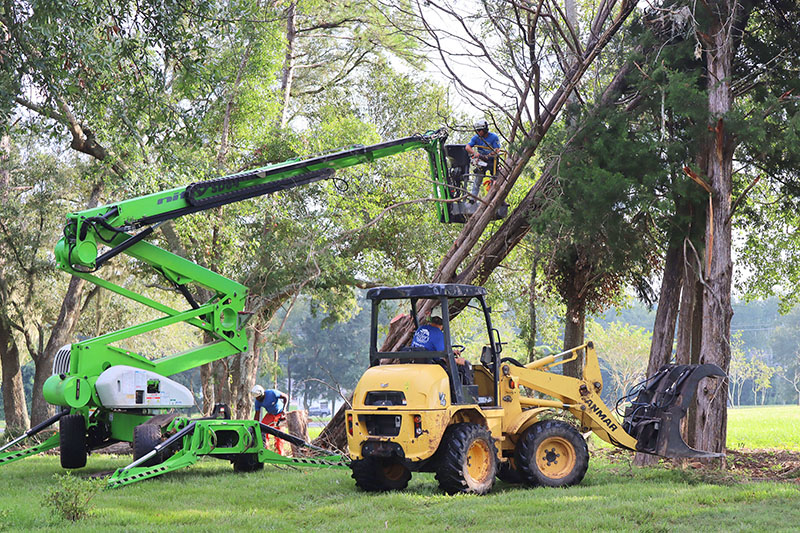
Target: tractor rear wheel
145	438
72	441
377	475
552	453
468	460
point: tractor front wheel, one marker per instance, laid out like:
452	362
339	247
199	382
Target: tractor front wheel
72	441
377	475
468	460
552	453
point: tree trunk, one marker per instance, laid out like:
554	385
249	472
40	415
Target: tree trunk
244	374
207	386
222	381
574	331
15	409
686	325
333	436
711	422
287	76
297	422
532	313
667	312
664	326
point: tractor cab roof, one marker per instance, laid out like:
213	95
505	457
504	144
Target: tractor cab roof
430	290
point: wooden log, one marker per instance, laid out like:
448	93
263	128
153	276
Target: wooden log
297	422
333	436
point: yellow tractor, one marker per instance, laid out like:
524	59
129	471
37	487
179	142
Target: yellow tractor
421	409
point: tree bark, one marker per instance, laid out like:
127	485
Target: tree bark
297	422
574	332
287	76
667	312
15	409
333	436
244	373
711	422
532	312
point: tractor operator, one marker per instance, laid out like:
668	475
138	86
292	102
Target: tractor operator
274	403
430	337
483	148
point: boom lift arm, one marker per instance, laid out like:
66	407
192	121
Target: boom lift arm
114	390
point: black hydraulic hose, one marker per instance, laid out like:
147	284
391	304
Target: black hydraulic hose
37	428
123	246
297	441
180	434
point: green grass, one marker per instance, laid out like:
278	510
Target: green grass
613	497
774	426
210	497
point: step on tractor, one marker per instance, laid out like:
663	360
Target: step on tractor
106	393
417	410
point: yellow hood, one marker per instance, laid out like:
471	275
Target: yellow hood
425	386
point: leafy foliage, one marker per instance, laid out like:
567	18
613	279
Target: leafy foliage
70	496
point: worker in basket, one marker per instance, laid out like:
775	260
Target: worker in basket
483	148
274	403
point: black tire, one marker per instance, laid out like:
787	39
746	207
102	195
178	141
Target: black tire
507	471
247	462
145	438
552	453
378	475
468	460
72	441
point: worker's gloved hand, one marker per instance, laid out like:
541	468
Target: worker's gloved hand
484	157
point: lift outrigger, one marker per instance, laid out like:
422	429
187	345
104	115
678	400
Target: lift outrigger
108	394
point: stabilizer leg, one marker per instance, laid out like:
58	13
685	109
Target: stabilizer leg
653	419
49	444
132	473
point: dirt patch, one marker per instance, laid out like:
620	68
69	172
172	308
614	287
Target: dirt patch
119	448
740	464
772	465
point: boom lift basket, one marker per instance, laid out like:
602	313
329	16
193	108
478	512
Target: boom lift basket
653	419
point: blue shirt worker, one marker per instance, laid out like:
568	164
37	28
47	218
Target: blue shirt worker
274	403
483	148
430	337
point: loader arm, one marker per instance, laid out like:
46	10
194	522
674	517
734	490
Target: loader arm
581	397
654	421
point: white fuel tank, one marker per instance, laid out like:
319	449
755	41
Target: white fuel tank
126	387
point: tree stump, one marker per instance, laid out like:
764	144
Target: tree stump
297	421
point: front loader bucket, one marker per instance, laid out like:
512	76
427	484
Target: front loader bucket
654	418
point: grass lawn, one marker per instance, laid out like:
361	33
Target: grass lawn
613	497
210	497
774	426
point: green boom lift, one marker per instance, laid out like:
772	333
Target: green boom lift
108	394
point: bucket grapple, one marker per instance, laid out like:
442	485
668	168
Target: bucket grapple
654	417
